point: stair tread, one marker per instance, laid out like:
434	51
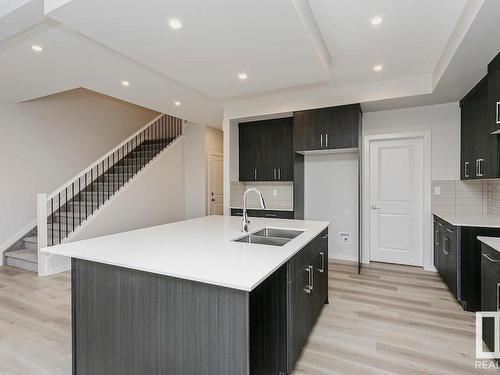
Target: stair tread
23	254
32	239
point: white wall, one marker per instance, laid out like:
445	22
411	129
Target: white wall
155	196
201	141
46	142
443	120
195	170
331	194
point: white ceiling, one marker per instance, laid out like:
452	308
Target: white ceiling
220	38
297	53
70	60
409	42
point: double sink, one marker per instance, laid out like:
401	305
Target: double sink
271	236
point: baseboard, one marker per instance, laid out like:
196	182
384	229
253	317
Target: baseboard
342	257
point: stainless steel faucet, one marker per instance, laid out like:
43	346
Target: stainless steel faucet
245	221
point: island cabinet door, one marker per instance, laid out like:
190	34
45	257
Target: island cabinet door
320	262
301	305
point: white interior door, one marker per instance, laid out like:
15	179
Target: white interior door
216	181
396	201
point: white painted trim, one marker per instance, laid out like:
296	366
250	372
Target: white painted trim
428	249
41	215
102	158
226	133
343	257
16	237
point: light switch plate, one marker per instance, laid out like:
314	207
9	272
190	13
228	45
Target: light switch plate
437	190
345	238
275	192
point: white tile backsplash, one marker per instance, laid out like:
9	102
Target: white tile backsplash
493	196
479	196
277	195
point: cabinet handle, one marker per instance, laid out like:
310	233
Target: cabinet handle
322	254
437	240
465	169
274	171
279	173
321	141
479	169
324	236
255	174
450	231
312	277
498	113
446	246
270	215
490	259
326	140
308	288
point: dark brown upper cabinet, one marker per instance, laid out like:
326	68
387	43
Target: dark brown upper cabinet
478	148
266	150
332	128
494	94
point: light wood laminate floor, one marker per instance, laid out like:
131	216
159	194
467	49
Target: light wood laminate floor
388	320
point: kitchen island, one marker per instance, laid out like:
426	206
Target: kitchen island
186	298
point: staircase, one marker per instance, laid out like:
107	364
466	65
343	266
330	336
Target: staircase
71	205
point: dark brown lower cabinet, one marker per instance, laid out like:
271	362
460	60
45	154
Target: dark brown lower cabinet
446	238
457	257
308	292
490	284
128	322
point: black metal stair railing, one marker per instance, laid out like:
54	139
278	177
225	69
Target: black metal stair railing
69	206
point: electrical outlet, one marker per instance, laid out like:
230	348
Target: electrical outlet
345	238
437	190
275	192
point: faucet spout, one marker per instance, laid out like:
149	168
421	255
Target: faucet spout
245	221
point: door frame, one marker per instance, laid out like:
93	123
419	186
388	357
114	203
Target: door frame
208	195
426	136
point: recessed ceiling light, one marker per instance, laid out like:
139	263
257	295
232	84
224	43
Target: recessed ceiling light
126	83
242	76
378	68
175	23
36	48
177	103
376	21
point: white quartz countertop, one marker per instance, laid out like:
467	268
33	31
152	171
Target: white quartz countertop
198	249
493	242
469	219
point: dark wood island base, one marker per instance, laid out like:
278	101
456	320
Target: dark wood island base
126	321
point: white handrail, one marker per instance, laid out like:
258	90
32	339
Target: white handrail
95	163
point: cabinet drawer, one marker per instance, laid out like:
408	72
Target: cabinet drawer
305	254
263	213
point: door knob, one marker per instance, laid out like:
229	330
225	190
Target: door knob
375	207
